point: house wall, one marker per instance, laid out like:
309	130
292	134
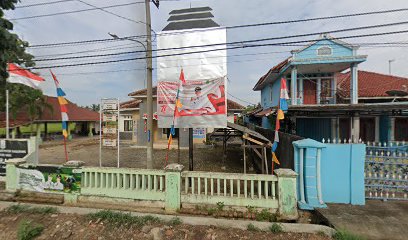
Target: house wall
337	50
273	88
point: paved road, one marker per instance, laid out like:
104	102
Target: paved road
376	220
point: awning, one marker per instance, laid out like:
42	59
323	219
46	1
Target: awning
265	112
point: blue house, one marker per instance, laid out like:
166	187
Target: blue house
323	81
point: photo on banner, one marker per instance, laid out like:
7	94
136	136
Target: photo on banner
197	80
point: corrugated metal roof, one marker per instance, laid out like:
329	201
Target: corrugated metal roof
208	23
190	10
190	16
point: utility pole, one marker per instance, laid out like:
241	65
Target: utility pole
149	159
389	65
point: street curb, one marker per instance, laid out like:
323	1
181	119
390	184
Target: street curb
195	221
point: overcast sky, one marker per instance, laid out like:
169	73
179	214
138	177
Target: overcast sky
86	84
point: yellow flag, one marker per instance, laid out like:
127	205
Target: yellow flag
62	101
178	103
275	159
65	133
170	139
281	115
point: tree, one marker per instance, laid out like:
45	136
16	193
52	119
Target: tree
13	50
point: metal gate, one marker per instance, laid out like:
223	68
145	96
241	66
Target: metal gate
386	171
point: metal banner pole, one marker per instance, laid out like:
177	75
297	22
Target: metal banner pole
100	133
7	115
118	131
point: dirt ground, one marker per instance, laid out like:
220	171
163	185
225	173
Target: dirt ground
87	150
71	226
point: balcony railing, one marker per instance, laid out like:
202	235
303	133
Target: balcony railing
312	98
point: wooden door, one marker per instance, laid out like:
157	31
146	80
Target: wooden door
309	92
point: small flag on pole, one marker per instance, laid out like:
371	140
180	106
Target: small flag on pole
20	75
182	79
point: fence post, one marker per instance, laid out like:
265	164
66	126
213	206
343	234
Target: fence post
173	187
11	173
287	200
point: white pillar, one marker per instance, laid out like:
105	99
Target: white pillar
301	91
354	84
293	83
377	129
392	129
355	128
334	128
318	90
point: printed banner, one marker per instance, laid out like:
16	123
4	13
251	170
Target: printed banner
197	75
66	180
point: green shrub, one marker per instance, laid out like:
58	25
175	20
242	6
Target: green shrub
175	221
28	230
345	235
265	215
251	227
119	218
276	228
29	209
220	206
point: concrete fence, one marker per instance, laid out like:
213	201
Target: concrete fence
175	187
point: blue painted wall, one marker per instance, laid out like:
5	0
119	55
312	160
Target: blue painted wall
314	128
337	50
384	128
343	173
266	101
266	123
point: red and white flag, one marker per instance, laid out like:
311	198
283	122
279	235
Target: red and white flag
23	76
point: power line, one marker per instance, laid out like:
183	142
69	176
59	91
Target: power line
112	13
242	100
235	43
43	3
212	50
75	11
237	26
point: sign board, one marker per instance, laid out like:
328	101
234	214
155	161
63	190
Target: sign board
109	118
199	133
108	104
11	149
109	142
109	130
203	95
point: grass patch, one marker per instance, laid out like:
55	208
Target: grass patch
265	215
28	230
118	218
345	235
29	209
251	227
175	221
276	228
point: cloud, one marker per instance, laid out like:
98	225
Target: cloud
243	71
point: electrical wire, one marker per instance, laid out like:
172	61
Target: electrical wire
237	26
43	3
217	49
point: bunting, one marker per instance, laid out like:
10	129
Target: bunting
280	115
63	106
177	106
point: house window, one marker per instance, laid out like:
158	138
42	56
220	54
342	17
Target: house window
271	97
324	51
128	125
326	90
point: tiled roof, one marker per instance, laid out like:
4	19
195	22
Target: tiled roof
134	103
371	84
142	92
275	69
232	105
75	114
